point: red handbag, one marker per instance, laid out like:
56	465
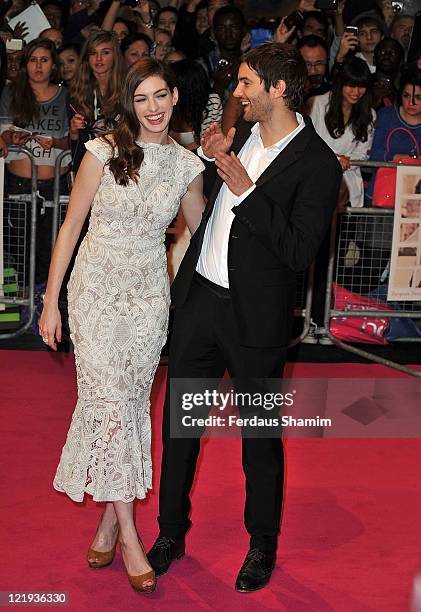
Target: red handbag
366	329
384	193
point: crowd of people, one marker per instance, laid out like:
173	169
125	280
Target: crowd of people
363	89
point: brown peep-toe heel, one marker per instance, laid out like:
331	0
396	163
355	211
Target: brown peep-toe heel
102	559
138	582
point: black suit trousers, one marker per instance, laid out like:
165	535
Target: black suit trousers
204	344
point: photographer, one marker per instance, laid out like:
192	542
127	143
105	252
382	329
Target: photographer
315	53
388	58
222	63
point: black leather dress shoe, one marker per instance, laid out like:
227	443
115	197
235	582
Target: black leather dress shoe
163	553
256	570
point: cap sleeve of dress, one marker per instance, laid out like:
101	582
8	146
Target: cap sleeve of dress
101	149
193	166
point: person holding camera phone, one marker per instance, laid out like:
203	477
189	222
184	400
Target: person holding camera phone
222	63
388	58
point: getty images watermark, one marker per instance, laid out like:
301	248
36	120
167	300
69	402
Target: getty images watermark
299	408
225	401
231	408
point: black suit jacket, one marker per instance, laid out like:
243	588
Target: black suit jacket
276	232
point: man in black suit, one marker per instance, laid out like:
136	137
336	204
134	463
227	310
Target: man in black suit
272	190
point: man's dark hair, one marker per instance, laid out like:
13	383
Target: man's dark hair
275	62
312	41
390	41
411	76
229	10
132	38
319	16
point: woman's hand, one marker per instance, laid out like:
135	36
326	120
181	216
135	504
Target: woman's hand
50	325
19	139
344	161
307	5
3	148
77	122
46	142
282	34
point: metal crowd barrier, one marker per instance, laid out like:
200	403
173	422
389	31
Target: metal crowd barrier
19	250
60	202
359	259
303	302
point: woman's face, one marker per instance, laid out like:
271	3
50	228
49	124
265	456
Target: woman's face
202	23
68	61
411	100
353	93
167	20
153	104
135	52
40	66
121	30
163	45
101	59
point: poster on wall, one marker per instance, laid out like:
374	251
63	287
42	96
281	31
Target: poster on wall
405	269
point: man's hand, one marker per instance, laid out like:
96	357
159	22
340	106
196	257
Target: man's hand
233	173
223	77
214	141
21	30
282	34
348	43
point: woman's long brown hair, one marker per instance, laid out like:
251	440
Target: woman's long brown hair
24	106
127	155
84	83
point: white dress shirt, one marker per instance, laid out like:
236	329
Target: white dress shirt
255	157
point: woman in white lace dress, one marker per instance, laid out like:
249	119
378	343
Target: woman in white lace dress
133	180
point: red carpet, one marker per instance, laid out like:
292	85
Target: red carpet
351	532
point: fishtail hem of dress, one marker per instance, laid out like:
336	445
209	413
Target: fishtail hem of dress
79	497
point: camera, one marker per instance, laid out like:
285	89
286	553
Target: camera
352	30
131	3
397	7
293	20
327	5
222	64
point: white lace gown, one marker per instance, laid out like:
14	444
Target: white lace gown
118	312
